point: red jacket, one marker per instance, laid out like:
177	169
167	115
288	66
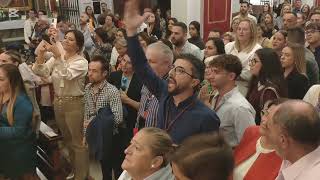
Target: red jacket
266	166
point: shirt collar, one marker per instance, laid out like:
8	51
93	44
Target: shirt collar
292	171
101	86
186	102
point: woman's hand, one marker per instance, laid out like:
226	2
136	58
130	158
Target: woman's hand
204	95
132	18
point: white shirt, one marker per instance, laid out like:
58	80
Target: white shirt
241	171
164	173
312	95
114	56
244	58
67	77
28	29
236	114
189	48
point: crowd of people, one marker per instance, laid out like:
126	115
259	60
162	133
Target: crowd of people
145	97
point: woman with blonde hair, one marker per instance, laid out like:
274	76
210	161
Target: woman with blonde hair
244	46
17	137
294	64
147	156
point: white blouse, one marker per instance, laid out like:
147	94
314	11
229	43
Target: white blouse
68	77
241	170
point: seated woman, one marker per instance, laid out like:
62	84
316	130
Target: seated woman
203	157
213	48
146	156
254	157
267	81
17	136
294	64
195	37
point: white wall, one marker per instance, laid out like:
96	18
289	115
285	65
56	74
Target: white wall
187	10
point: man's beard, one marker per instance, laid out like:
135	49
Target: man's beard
177	43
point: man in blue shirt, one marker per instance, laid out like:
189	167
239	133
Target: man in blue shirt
180	113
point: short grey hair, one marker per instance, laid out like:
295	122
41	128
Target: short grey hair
300	120
164	50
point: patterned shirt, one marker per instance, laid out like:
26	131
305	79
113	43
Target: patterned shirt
148	109
107	95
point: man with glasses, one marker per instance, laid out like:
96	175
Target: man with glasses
234	111
180	112
293	132
313	39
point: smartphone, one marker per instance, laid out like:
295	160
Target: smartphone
54	22
46	38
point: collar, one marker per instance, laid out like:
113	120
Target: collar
224	98
292	171
101	86
186	102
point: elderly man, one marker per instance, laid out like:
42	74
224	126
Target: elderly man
294	134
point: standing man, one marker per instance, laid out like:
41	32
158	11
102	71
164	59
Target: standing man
29	26
180	113
180	41
244	12
100	94
87	32
233	109
294	134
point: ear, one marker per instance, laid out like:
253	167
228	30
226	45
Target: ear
105	73
232	76
284	141
195	82
156	162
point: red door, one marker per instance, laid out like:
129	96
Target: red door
216	15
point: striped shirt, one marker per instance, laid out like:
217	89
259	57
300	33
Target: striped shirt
149	106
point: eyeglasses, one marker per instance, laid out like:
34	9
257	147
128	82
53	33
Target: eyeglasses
264	112
311	31
180	70
253	61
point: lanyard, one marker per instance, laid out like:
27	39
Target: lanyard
168	122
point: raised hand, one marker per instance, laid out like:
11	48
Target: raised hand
132	18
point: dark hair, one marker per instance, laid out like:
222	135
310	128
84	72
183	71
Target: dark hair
245	2
229	63
198	66
103	35
79	38
205	157
102	18
296	35
124	32
315	26
168	32
182	25
14	56
104	63
91	15
145	37
271	72
216	30
301	126
219	45
196	25
283	32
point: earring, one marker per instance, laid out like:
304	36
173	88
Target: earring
152	166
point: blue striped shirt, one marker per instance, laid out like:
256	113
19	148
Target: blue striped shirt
149	104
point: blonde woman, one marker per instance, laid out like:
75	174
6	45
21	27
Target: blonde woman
68	71
294	64
244	46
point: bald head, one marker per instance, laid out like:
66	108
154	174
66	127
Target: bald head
300	120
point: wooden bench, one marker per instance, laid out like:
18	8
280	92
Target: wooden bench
50	161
